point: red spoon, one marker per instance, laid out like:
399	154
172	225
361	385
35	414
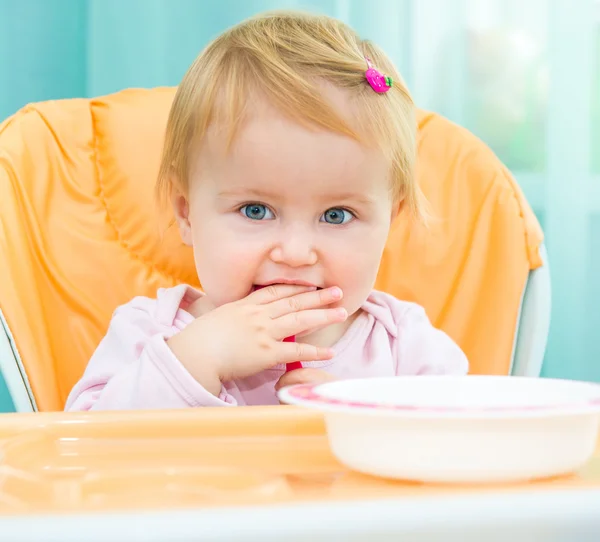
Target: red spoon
294	364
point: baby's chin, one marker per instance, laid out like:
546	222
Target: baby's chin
314	333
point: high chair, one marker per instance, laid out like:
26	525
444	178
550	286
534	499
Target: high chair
79	236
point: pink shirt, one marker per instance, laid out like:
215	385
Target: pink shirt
133	368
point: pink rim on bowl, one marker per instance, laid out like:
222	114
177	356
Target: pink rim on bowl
309	393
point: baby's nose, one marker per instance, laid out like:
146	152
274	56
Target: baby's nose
295	249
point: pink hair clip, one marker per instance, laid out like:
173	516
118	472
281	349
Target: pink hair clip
379	82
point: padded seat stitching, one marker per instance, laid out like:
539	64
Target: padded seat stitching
103	199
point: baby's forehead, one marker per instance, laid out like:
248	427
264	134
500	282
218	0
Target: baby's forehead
286	166
270	144
280	155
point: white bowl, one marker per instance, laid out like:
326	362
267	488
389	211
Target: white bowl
457	429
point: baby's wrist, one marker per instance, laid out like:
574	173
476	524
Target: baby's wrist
208	378
199	367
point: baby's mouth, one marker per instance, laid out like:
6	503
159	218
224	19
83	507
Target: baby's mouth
256	287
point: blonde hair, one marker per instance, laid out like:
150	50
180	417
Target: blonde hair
283	56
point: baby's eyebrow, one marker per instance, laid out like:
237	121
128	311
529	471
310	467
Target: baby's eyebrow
354	197
331	198
247	192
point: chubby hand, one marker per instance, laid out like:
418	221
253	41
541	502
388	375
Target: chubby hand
245	337
304	376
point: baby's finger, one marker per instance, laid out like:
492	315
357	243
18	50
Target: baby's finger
290	352
275	292
303	376
304	301
296	323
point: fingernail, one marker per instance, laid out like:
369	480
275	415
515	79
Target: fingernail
336	293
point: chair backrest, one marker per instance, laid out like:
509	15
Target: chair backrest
79	234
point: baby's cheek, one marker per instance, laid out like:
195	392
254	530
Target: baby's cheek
356	281
225	271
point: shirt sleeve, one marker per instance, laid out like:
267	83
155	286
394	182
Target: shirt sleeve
133	368
425	350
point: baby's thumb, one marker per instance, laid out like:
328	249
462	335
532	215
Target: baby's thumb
303	376
200	307
291	379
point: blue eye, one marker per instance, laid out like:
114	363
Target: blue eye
256	211
337	216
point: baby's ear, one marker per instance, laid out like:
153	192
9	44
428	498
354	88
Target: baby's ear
181	211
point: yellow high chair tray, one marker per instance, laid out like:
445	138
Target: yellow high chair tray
208	458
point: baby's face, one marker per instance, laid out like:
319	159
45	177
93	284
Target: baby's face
286	205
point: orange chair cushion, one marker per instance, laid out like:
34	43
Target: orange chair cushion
79	234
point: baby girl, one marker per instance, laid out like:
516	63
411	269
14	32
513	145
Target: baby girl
289	152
